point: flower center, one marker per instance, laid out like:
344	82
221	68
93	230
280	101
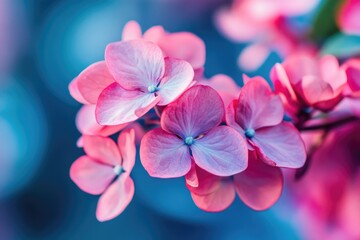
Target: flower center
189	141
118	169
250	133
152	89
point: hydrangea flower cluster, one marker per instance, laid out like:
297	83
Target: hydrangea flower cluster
223	139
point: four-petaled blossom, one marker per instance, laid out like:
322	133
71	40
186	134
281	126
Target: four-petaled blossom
144	79
190	130
105	169
302	81
259	187
258	116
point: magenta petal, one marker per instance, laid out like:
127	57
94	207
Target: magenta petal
126	142
222	151
213	193
280	145
91	176
117	105
196	111
135	64
93	80
102	149
164	155
352	68
185	46
116	198
258	106
191	177
260	185
316	90
178	75
132	30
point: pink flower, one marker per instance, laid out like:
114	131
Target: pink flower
190	129
352	69
105	169
303	81
258	116
259	187
225	86
348	17
180	45
143	78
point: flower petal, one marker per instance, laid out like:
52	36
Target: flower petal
117	105
257	106
280	145
316	90
115	199
93	80
214	193
260	185
132	30
164	155
246	60
75	93
191	177
178	75
352	69
195	112
154	34
135	64
126	143
102	149
91	176
222	152
185	46
87	124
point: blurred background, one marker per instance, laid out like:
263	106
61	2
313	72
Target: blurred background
44	44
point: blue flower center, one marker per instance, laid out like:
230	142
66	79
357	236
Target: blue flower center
189	141
152	89
250	133
118	169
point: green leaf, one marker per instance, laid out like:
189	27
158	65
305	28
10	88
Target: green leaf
342	45
324	24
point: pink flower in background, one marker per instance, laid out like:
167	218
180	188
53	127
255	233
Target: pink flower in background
180	45
144	79
348	17
352	70
259	187
225	86
258	116
105	169
332	186
263	23
303	81
190	130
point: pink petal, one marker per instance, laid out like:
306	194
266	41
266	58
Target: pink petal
115	199
316	90
352	69
225	86
178	75
280	145
102	149
91	176
132	30
214	193
196	111
164	155
87	124
299	65
74	92
247	59
117	105
260	185
222	151
135	64
154	34
258	106
126	143
191	177
348	18
93	80
185	46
